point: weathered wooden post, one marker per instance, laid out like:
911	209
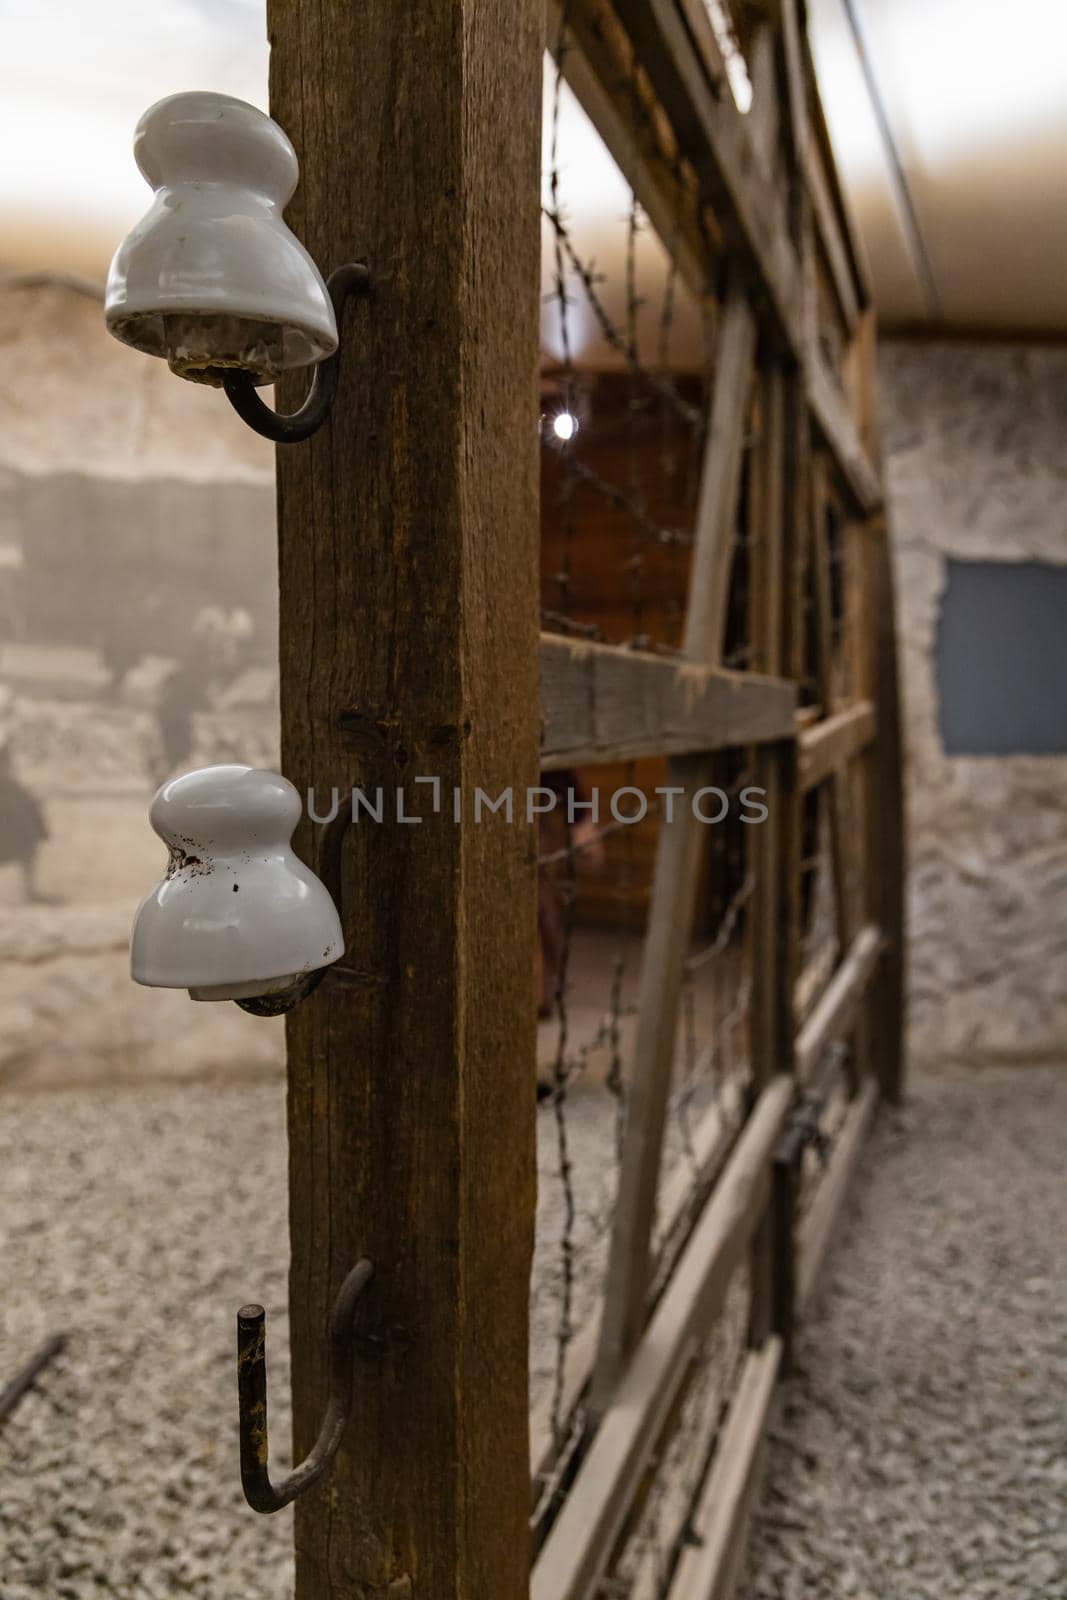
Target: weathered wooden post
408	586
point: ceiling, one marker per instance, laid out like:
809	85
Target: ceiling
949	118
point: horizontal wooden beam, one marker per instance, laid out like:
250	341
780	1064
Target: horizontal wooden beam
837	1005
816	1230
710	1561
604	703
829	745
576	1553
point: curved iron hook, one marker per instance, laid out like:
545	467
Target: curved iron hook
261	1494
351	279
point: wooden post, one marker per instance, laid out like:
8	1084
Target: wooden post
886	853
408	543
772	930
678	857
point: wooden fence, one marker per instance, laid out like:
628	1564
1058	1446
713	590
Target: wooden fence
749	203
408	571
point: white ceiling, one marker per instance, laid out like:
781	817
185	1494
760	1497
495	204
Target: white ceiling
963	207
975	100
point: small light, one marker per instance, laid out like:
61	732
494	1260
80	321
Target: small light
564	425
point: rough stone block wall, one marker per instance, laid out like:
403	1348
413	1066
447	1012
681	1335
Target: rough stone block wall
977	471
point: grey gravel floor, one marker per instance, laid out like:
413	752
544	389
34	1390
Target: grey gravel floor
138	1220
922	1451
921	1448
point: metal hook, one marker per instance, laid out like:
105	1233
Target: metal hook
261	1494
351	279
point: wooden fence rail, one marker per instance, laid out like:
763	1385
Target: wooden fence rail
751	210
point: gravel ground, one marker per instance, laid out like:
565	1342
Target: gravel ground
139	1220
921	1447
921	1452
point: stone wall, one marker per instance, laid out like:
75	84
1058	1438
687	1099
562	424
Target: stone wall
976	455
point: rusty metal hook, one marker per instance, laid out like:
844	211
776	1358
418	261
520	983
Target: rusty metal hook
344	282
261	1494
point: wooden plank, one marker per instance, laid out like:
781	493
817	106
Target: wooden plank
808	157
813	980
600	703
711	1140
748	205
764	111
678	855
579	1546
839	433
767	532
768	930
828	228
837	1005
709	1564
709	578
847	835
865	348
842	851
816	1230
772	1030
596	68
886	842
830	745
408	564
713	136
797	85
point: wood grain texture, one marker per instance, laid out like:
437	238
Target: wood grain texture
840	434
687	73
836	1007
831	239
599	703
577	1551
771	930
598	66
408	579
711	1559
831	744
709	577
679	854
886	842
711	1141
677	51
816	1232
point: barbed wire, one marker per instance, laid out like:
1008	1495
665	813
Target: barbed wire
607	479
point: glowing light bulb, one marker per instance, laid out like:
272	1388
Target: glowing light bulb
564	425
